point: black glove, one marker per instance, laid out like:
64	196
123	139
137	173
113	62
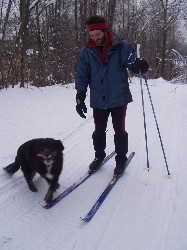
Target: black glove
140	65
81	107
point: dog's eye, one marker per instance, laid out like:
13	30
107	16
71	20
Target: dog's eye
48	160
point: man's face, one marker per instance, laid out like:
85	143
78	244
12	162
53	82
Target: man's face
98	36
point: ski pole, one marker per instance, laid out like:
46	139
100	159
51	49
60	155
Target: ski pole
143	107
162	146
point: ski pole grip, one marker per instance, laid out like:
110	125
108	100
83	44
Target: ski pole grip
138	50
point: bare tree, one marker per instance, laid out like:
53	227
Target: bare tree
24	24
111	13
6	19
40	42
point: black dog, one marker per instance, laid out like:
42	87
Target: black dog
43	156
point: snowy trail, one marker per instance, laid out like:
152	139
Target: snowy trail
144	211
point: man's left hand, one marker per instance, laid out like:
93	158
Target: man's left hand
140	65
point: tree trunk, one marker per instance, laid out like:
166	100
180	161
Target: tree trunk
24	22
6	19
111	13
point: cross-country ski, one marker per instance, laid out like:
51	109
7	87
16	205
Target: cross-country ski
75	185
105	193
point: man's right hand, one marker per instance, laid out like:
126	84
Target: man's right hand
81	108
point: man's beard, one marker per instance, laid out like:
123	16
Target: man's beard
101	43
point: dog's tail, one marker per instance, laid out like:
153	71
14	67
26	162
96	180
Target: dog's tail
13	167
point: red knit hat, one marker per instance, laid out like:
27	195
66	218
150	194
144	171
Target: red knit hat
96	26
96	23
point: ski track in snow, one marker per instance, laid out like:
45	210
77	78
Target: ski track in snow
146	210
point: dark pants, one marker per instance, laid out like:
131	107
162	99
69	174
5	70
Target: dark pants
120	138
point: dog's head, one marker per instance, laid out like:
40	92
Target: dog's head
49	149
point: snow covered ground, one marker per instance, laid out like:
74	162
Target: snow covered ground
144	211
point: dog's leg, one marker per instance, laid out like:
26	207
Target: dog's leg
50	183
52	188
49	196
29	175
31	185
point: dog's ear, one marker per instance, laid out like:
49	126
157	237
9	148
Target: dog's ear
60	145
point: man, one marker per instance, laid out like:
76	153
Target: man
102	66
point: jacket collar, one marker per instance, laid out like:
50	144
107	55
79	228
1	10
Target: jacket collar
106	45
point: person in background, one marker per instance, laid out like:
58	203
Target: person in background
102	65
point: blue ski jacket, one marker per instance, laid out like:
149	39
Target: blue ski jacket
108	81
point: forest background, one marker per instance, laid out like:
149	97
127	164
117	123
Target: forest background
40	40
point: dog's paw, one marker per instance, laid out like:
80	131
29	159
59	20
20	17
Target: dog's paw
33	188
57	186
48	197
